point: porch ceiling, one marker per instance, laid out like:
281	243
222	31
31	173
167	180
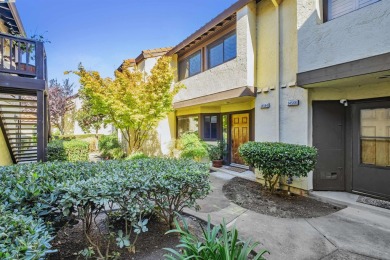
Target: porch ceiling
238	95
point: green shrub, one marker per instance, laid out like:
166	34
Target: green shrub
279	159
23	237
110	147
137	156
72	151
192	147
214	152
218	242
180	183
58	191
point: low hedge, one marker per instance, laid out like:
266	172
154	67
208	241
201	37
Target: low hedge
72	151
72	137
58	191
275	159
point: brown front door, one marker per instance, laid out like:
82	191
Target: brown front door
240	134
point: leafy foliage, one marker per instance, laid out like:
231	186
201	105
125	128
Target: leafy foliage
110	147
23	237
72	151
216	243
64	191
133	101
87	119
214	152
192	147
58	95
279	159
137	156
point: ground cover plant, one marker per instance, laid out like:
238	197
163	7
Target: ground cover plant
62	192
274	160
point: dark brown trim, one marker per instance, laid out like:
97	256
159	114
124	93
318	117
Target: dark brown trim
210	25
7	81
40	126
355	68
325	10
220	96
219	127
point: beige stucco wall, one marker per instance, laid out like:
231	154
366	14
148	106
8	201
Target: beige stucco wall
277	65
233	74
356	35
5	157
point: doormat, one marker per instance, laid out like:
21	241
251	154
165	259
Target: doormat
235	169
374	202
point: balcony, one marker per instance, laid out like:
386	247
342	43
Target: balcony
24	117
24	60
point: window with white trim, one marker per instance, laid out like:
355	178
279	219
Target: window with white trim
338	8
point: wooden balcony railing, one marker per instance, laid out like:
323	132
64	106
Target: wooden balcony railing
22	57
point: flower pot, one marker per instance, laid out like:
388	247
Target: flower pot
217	163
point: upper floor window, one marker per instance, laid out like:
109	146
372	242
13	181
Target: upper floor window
336	8
190	66
222	50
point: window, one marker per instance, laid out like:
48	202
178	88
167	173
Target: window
187	124
190	66
210	127
375	136
222	50
336	8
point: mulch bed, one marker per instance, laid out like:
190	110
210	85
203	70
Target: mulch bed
252	195
149	246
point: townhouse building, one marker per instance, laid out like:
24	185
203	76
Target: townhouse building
304	72
310	72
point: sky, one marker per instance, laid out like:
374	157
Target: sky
101	34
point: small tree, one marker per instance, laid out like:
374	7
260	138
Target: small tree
58	95
88	120
279	159
134	102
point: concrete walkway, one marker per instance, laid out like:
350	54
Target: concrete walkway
352	233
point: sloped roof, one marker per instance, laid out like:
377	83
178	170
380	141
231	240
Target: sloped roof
223	18
145	54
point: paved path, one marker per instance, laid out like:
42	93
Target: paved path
351	233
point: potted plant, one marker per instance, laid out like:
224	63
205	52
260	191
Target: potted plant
215	155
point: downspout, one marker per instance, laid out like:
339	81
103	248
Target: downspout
277	74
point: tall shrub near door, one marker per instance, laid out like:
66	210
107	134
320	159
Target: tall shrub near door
274	160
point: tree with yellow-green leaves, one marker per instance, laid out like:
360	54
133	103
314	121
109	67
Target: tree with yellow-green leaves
134	102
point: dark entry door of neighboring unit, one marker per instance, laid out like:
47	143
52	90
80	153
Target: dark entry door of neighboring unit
371	148
328	138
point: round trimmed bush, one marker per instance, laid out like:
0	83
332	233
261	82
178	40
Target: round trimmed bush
275	159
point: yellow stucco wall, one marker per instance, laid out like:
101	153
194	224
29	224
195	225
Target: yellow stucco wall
5	157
